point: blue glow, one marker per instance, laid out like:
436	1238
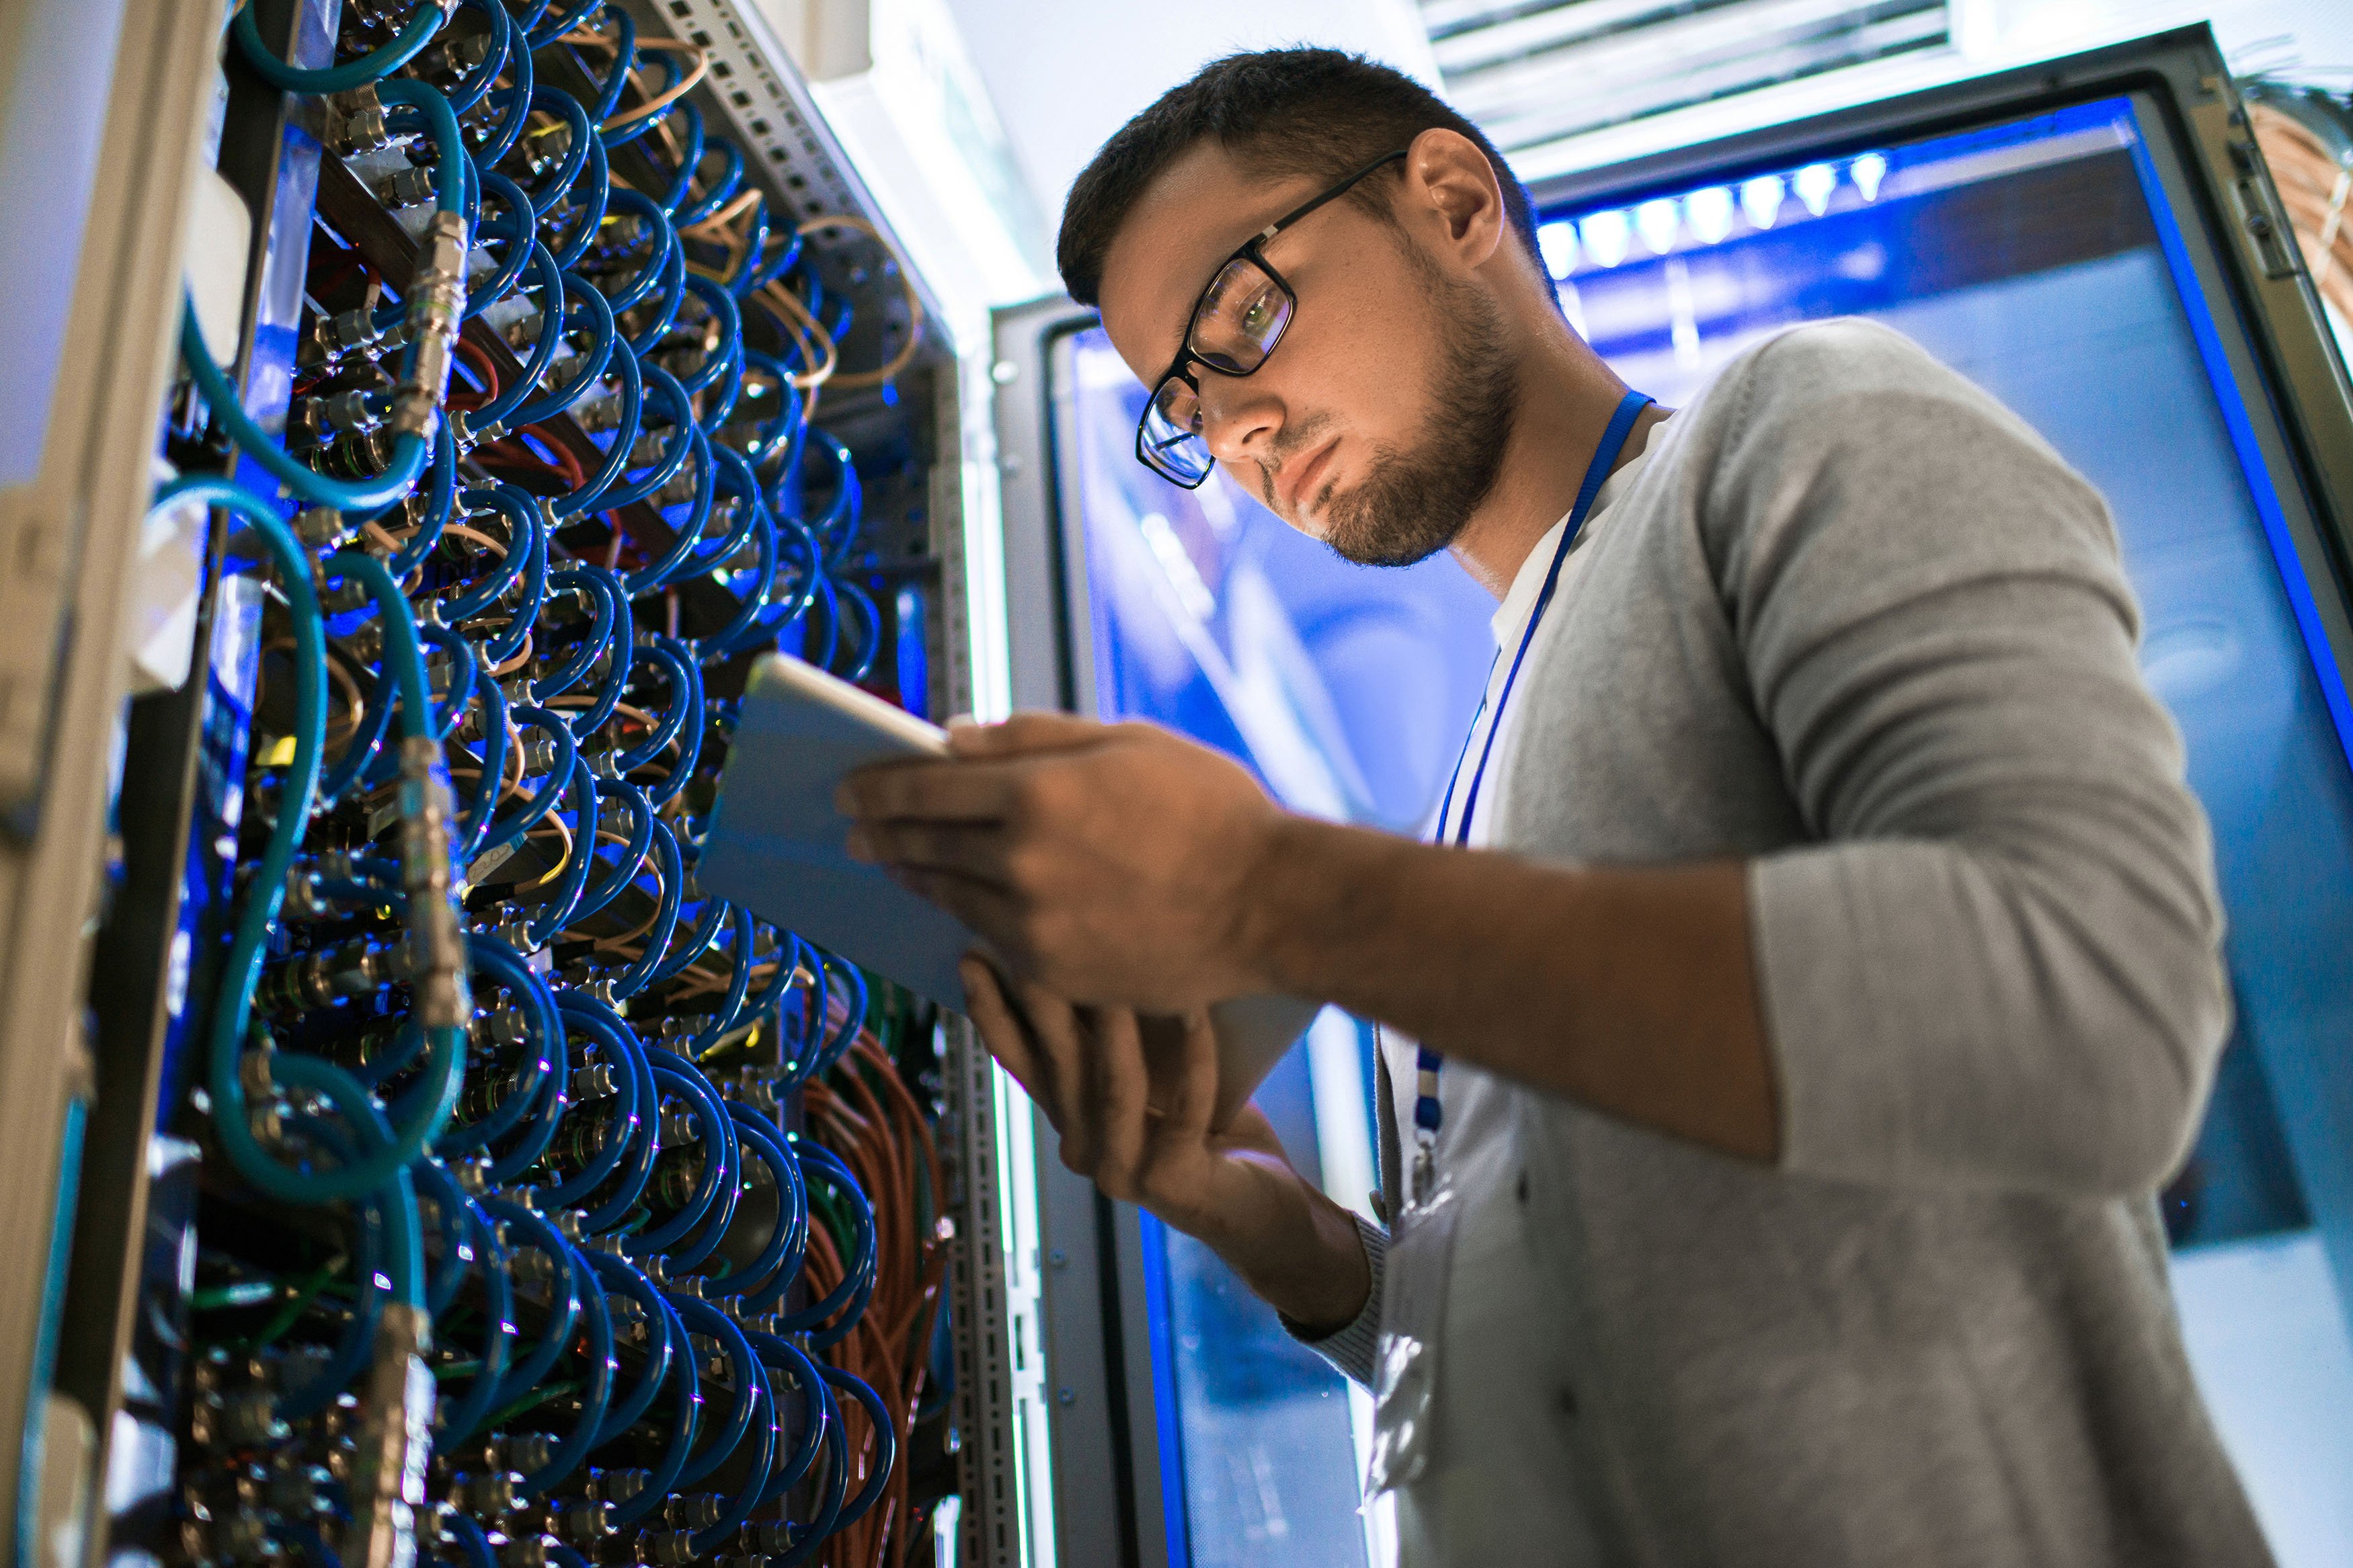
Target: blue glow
1709	213
1815	185
1607	235
1761	199
1868	171
1659	222
1557	241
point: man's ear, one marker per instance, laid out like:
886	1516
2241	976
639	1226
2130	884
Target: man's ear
1451	181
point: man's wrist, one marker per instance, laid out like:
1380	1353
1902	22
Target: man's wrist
1288	891
1311	1268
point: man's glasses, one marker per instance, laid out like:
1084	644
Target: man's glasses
1235	323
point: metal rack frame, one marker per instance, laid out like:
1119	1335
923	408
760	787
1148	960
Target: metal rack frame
757	95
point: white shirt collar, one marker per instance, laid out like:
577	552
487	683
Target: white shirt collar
1511	616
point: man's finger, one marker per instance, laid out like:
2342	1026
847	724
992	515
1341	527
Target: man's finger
1195	1101
1022	734
1066	1046
1122	1089
1007	1038
926	791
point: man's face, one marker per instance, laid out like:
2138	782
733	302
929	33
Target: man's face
1377	424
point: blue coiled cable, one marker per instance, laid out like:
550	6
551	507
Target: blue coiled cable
714	1193
886	1443
573	1450
782	1355
703	1318
528	1229
505	830
623	1278
636	975
848	1297
686	1407
368	69
764	1280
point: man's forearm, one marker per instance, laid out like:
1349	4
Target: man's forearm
1630	990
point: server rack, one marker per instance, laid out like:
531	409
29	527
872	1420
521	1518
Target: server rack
1646	240
139	100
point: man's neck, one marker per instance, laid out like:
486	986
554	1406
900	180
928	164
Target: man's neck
1565	399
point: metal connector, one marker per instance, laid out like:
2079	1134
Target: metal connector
394	1445
355	123
437	301
436	944
405	188
322	528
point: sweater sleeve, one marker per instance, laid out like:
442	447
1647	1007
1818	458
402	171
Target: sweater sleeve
1350	1349
1998	966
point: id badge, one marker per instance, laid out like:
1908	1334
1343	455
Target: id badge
1413	1326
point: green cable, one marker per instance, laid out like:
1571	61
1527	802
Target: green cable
538	1397
239	1293
296	1304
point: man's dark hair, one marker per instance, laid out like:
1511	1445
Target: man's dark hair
1280	112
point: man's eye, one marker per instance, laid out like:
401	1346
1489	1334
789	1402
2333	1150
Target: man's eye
1258	315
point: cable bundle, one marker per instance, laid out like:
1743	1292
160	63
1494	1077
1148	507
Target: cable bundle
549	1281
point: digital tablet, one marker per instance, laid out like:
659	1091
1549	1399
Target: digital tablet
777	845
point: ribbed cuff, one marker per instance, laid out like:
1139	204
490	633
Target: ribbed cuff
1350	1348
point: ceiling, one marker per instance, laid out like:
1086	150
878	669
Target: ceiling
1065	74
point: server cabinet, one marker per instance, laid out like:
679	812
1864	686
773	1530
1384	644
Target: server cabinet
2096	241
217	1357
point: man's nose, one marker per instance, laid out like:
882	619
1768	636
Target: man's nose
1241	417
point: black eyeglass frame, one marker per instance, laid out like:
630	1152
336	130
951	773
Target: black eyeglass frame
1252	250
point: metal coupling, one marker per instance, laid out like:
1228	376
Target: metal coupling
436	944
355	123
772	1537
585	1520
321	528
319	979
668	1548
317	421
394	1445
527	1452
437	301
470	436
407	187
332	337
699	1511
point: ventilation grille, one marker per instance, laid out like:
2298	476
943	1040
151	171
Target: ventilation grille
1533	71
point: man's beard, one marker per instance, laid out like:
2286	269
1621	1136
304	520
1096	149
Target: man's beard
1413	504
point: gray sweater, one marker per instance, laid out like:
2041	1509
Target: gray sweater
1855	623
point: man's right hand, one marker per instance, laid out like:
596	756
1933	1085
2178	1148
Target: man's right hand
1134	1120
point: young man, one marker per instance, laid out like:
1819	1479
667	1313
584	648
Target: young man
1814	973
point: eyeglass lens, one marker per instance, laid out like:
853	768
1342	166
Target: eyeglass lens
1172	433
1242	315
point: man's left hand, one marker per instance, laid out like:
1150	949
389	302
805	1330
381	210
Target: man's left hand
1112	864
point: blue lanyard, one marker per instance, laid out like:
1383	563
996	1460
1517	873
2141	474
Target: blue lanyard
1427	1112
